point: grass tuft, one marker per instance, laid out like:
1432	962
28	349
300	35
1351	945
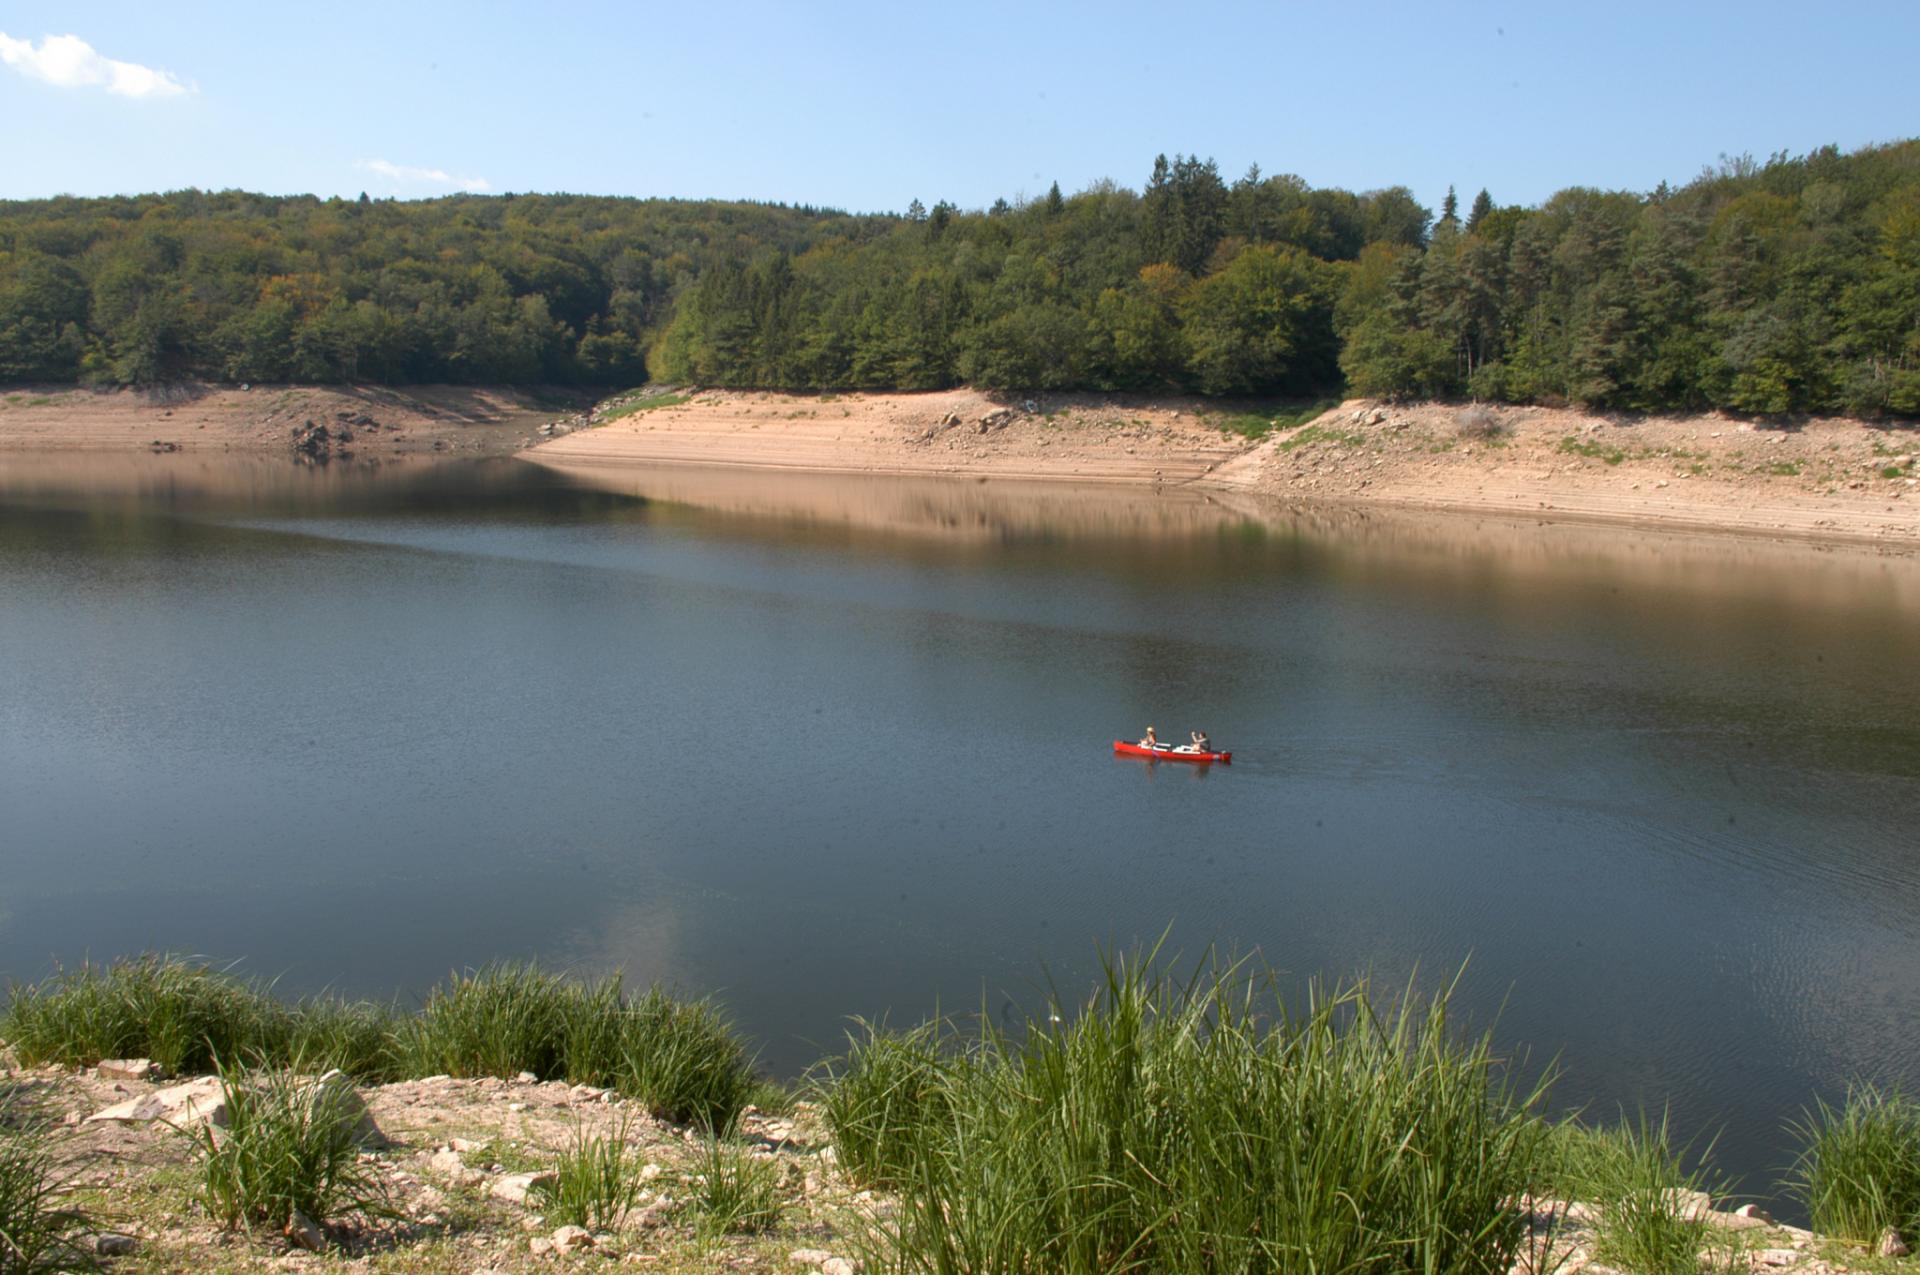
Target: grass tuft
1199	1125
39	1232
291	1144
879	1098
596	1181
1858	1171
734	1191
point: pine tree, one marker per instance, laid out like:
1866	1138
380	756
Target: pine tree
1450	209
1056	202
1482	205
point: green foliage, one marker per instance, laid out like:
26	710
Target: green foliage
880	1097
1858	1171
680	1058
1197	1125
734	1191
39	1232
1649	1221
289	1145
180	1014
1592	450
596	1181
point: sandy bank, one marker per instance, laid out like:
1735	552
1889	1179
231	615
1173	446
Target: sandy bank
1825	479
360	421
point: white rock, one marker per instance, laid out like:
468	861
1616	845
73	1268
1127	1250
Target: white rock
648	1172
514	1187
810	1256
838	1266
1891	1245
447	1163
196	1102
540	1246
527	1078
1776	1257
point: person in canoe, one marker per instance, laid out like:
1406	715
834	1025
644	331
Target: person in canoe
1201	744
1151	741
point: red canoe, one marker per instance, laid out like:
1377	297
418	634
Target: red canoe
1167	752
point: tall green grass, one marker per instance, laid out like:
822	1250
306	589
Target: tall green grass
183	1014
681	1058
39	1231
1645	1189
733	1191
289	1145
1201	1125
596	1181
1858	1171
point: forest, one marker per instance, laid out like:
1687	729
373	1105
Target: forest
1784	286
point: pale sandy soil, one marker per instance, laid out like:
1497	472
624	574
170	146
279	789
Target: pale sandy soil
1072	438
1831	480
380	421
1822	479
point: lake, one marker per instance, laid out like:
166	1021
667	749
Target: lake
837	746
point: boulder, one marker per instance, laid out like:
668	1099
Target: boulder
114	1244
303	1232
337	1089
1689	1206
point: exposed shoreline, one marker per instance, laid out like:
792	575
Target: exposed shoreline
1825	481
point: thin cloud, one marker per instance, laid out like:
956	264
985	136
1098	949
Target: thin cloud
408	176
69	62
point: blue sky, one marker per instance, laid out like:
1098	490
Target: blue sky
867	106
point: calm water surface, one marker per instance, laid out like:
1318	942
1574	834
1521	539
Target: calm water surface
836	747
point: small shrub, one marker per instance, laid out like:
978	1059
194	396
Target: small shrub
1478	422
1592	450
290	1144
38	1232
882	1100
1858	1171
596	1181
735	1191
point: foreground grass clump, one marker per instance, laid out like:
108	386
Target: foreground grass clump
680	1058
596	1181
880	1097
38	1231
734	1192
1858	1171
291	1145
1649	1218
1197	1126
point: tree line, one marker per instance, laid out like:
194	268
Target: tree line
1789	285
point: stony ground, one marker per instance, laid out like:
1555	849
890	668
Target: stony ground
455	1168
455	1159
